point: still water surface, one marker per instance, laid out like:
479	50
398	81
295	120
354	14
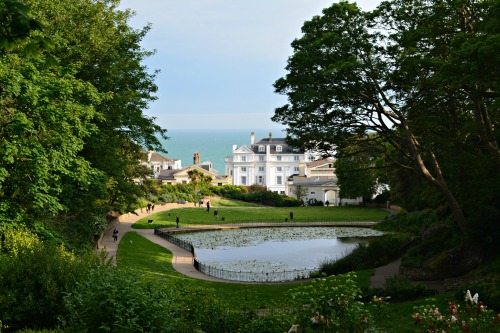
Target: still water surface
275	249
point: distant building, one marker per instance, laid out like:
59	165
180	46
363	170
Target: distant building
175	176
268	162
318	181
157	162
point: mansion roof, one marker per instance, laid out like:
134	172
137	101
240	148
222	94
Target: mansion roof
273	143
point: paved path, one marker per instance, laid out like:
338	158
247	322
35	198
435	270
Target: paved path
182	260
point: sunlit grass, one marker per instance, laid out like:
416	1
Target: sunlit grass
198	215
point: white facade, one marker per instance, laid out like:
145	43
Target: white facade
158	162
318	182
268	162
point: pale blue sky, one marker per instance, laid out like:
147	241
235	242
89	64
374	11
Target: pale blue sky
219	58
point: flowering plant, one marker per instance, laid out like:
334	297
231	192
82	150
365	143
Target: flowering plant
473	317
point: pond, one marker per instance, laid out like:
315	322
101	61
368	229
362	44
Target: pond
275	249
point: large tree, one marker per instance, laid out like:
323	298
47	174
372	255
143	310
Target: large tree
72	134
410	72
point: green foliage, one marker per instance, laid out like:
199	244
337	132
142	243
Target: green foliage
358	169
34	279
16	241
330	305
487	287
473	316
72	134
409	94
414	222
379	251
267	198
400	288
117	300
16	25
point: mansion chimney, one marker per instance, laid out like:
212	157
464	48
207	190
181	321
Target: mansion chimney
252	138
196	159
270	136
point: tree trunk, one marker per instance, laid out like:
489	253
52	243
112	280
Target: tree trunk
437	179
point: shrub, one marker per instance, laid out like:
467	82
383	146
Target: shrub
401	288
379	251
114	300
330	304
474	316
487	287
33	282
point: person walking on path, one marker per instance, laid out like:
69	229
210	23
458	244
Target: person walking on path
115	235
208	206
291	216
216	214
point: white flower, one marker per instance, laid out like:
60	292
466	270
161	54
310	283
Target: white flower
468	296
453	319
475	298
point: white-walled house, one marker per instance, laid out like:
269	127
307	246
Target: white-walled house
182	176
319	179
268	162
157	162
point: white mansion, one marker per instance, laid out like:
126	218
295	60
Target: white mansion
268	162
272	163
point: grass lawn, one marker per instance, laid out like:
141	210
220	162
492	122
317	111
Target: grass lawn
198	215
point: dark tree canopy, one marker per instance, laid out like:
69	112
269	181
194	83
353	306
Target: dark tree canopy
420	75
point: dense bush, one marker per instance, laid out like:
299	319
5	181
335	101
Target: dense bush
34	277
414	222
429	243
114	300
400	288
379	251
487	287
330	305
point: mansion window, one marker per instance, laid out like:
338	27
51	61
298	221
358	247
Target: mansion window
282	192
279	169
243	180
279	180
296	158
278	158
295	168
279	148
262	158
243	169
243	158
261	169
261	148
260	180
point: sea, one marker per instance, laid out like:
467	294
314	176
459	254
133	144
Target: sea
212	145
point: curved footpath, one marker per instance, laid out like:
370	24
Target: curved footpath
182	260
